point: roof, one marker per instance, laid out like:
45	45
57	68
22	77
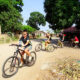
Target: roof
70	29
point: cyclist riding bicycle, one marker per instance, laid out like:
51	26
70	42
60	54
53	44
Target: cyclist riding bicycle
26	44
48	41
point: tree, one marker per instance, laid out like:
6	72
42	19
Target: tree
62	13
10	17
36	18
5	5
28	28
17	4
10	21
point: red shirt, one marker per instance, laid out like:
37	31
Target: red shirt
76	38
64	35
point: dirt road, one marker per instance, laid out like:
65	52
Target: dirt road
31	73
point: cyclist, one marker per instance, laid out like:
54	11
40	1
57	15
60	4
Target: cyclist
48	41
60	41
76	41
25	42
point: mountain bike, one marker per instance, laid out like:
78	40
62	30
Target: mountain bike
11	65
41	46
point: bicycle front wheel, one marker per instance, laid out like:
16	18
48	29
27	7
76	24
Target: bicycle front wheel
38	47
10	66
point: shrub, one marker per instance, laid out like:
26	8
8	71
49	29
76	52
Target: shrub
28	28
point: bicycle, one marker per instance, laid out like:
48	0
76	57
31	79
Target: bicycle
60	44
41	46
14	62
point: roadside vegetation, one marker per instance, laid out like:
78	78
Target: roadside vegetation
66	69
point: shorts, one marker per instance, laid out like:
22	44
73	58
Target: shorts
29	47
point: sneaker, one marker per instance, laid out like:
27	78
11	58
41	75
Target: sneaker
21	64
30	58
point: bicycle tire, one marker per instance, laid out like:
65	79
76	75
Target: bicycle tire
29	64
50	48
3	71
38	47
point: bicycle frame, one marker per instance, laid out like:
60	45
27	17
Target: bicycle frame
18	51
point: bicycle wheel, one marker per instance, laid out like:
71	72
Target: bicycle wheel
38	47
33	59
50	48
10	66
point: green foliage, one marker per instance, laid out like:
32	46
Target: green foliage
5	5
10	17
57	31
28	28
62	13
38	36
9	34
36	18
10	21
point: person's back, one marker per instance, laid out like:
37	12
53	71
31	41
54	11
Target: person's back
76	38
76	41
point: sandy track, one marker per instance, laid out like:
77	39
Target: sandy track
31	73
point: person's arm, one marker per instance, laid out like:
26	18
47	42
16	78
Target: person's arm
27	43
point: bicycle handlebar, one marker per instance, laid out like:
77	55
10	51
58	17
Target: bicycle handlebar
16	45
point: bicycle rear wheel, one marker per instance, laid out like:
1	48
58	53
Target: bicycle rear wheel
10	66
50	48
33	59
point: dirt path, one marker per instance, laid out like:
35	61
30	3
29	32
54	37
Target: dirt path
31	73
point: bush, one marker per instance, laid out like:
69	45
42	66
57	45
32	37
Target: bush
28	28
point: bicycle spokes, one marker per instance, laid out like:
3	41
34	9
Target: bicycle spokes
11	66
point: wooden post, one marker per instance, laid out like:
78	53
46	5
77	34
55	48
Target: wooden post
0	29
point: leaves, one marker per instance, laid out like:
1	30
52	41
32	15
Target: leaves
36	19
63	13
10	17
28	28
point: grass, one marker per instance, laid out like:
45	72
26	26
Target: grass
7	40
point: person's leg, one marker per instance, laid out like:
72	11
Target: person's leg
46	43
27	51
22	59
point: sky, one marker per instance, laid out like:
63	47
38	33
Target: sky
31	6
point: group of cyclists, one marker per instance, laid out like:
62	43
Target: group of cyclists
27	45
24	47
